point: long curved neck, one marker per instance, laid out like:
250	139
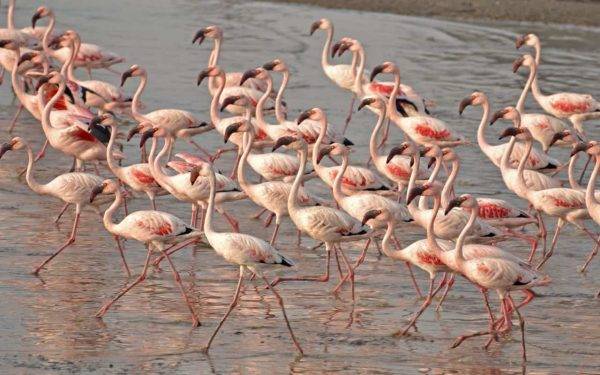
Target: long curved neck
386	244
373	149
213	61
18	84
317	146
538	53
431	241
279	99
463	235
260	106
412	207
521	168
64	69
208	220
358	80
248	139
48	107
521	103
10	15
446	191
485	119
571	173
31	181
74	51
337	182
135	102
391	105
157	172
325	55
112	163
505	160
108	218
432	177
590	196
46	38
293	197
214	104
535	88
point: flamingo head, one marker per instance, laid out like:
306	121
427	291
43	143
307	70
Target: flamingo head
203	170
526	60
102	119
314	114
431	151
521	133
476	98
449	155
9	44
322	24
387	67
345	44
466	201
238	100
236	127
211	71
530	40
333	149
40	13
106	187
428	189
134	71
565	136
276	65
591	148
259	73
36	58
372	101
67	38
213	32
51	78
376	214
16	143
292	143
147	131
508	113
405	148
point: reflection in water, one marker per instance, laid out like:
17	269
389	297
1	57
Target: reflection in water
48	323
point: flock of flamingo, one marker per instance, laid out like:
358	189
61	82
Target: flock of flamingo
463	232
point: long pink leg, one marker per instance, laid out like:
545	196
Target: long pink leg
259	214
42	152
409	267
177	277
194	214
521	325
349	117
559	226
449	285
269	219
322	279
532	240
140	278
16	116
543	233
349	268
120	247
232	305
153	202
590	257
430	295
233	174
232	221
337	262
202	149
274	236
173	249
62	211
358	262
287	322
69	242
587	163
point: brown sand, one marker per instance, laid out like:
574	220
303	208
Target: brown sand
576	12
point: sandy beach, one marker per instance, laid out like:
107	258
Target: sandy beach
576	12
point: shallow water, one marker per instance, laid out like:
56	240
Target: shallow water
47	323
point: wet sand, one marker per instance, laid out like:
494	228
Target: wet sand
575	12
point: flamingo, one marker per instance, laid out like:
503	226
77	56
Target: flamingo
567	205
537	161
71	188
530	40
324	224
159	231
248	252
422	129
561	105
232	79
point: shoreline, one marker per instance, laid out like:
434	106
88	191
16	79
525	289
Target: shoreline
572	12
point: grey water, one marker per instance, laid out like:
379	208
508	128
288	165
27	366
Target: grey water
47	324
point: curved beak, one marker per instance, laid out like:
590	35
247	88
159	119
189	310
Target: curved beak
579	147
304	116
431	162
41	81
233	128
376	70
509	132
314	27
520	41
270	65
283	141
96	121
27	56
4	42
228	101
132	132
147	134
69	93
497	115
558	137
517	64
464	104
415	192
199	36
194	174
371	214
248	74
5	147
203	74
453	203
36	17
365	102
397	150
424	151
95	191
126	74
323	152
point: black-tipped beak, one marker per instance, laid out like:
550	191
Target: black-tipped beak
415	192
558	137
132	132
145	135
464	104
397	150
366	102
378	69
36	17
26	57
304	116
96	121
233	128
4	42
579	147
335	48
95	191
126	74
323	152
517	64
520	41
497	115
371	214
194	174
228	101
314	27
248	74
283	141
270	65
509	132
456	202
431	162
424	151
69	93
5	147
203	74
41	81
199	36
